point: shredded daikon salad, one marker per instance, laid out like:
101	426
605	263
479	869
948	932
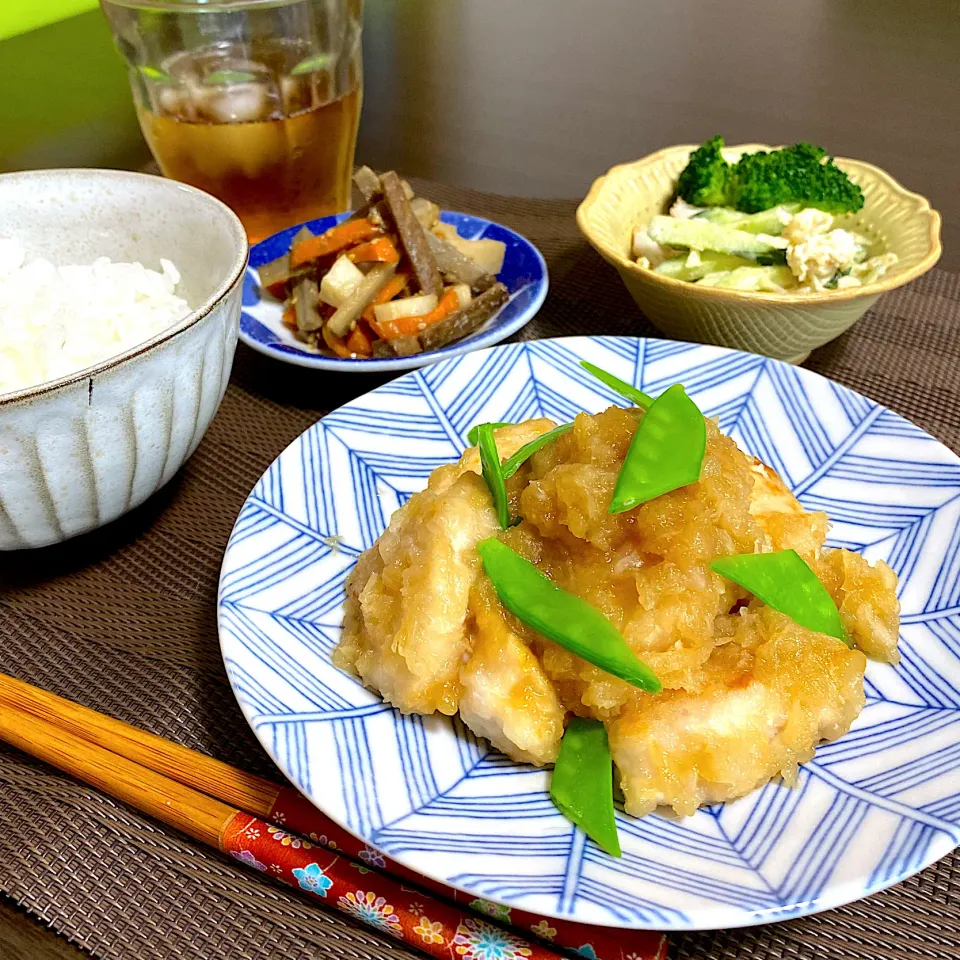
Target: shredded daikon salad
55	320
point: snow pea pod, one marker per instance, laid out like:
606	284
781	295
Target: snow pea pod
666	452
635	396
784	581
514	463
473	437
561	616
493	474
582	782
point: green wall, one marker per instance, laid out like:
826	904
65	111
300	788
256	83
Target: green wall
65	99
18	16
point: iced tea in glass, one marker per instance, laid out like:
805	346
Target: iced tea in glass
254	101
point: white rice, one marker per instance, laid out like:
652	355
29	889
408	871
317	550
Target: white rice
55	321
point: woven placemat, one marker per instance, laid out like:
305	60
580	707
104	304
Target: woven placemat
123	620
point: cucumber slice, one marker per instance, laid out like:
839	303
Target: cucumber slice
770	222
722	215
709	263
766	279
697	234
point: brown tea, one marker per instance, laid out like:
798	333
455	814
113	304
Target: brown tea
275	147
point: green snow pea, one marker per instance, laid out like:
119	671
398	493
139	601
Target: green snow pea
493	474
635	396
783	581
560	616
666	452
473	437
496	473
582	782
514	463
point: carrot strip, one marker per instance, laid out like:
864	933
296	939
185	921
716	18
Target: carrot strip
336	238
360	341
290	318
336	344
378	250
411	326
394	286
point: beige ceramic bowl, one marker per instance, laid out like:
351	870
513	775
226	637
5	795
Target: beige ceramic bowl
80	451
785	326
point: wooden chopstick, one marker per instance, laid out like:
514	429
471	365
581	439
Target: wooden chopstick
226	828
230	810
192	769
190	811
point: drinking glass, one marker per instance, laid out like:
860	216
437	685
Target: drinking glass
254	101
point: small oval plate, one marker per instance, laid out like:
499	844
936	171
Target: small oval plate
524	273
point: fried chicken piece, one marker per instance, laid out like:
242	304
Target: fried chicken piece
407	597
770	495
748	692
768	699
866	596
782	517
506	697
509	440
647	569
404	628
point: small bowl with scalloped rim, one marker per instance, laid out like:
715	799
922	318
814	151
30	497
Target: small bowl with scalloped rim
786	326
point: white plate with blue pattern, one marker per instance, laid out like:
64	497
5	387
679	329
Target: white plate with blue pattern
524	274
873	808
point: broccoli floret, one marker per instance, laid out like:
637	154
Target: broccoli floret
802	173
705	179
799	174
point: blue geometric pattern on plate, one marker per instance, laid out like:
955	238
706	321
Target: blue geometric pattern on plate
872	808
524	274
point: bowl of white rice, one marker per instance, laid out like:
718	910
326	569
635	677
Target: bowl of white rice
119	311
